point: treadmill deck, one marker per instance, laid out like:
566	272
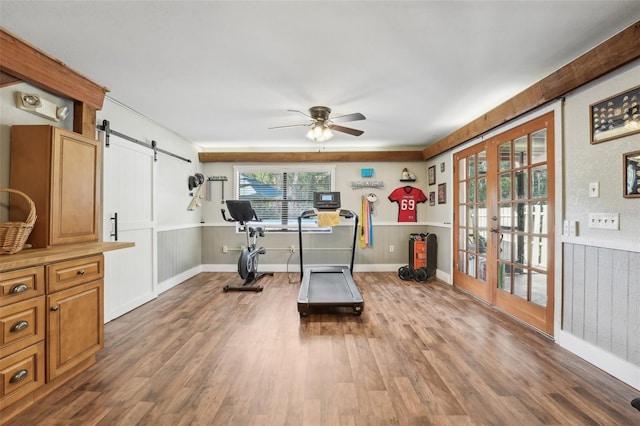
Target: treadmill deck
329	286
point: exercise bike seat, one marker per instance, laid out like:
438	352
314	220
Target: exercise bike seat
241	211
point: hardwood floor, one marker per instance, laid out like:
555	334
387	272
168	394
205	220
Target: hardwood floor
420	354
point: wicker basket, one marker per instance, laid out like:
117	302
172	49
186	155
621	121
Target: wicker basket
13	235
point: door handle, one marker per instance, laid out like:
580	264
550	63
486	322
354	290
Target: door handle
495	230
114	233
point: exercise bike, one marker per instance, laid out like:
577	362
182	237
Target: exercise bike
242	212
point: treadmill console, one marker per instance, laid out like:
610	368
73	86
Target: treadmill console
326	200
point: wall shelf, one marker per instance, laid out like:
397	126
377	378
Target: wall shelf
366	184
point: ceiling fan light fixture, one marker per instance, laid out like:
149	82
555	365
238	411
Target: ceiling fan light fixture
319	133
321	126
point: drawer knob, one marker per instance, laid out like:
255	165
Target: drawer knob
55	308
80	271
19	376
18	288
19	326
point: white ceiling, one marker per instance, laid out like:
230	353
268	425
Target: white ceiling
220	73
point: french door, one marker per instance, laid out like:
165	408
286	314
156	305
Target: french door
504	221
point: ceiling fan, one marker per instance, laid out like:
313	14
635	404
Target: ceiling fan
322	125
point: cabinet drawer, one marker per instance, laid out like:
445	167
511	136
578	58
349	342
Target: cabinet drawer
22	284
69	274
21	373
21	324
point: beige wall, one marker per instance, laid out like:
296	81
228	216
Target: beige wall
387	231
602	162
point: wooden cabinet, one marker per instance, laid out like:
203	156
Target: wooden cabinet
51	319
76	315
60	171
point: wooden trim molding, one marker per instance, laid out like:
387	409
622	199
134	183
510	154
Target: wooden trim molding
300	157
25	62
611	54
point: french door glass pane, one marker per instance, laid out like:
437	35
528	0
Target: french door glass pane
471	191
482	242
504	153
539	146
520	184
471	211
462	264
539	253
520	157
505	186
462	238
540	216
482	163
462	170
519	216
520	249
506	247
504	277
539	288
471	266
521	283
482	216
471	167
539	182
482	190
505	217
482	268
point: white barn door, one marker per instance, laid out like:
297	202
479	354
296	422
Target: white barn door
129	192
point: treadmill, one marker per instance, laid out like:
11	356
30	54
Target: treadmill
328	286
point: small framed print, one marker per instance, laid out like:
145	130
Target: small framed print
432	198
431	174
616	116
631	171
442	193
441	167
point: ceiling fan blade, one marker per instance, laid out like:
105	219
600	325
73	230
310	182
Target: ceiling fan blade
290	125
349	117
300	112
348	130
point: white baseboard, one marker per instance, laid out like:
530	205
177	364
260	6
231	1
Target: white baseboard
606	361
123	309
174	281
443	276
295	268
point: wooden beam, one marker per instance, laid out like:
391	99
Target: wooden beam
84	119
31	65
613	53
300	157
8	80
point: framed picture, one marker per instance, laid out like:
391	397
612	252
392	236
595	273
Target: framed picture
432	198
441	167
442	193
432	175
631	171
615	117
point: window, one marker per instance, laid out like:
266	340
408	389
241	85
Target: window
280	194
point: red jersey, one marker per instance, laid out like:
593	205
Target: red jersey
407	198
